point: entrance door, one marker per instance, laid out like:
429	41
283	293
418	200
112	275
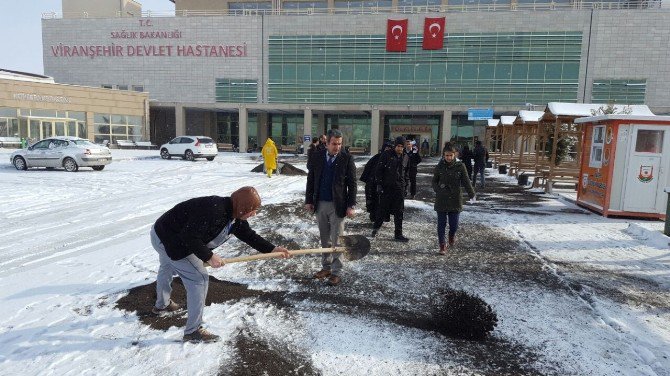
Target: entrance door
644	169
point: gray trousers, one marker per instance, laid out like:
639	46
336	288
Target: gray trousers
192	272
330	228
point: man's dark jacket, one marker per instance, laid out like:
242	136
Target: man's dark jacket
344	181
392	172
190	225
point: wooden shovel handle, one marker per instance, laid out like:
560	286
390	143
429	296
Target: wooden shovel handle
271	255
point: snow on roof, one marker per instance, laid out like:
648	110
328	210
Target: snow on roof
24	76
507	120
584	109
593	119
530	116
493	122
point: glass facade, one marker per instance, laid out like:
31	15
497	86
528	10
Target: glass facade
619	91
472	69
355	129
414	127
236	91
113	127
250	5
228	128
303	5
36	124
286	129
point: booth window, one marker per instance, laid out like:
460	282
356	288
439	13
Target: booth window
649	141
597	144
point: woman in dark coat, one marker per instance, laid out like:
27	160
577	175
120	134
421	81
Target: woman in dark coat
449	176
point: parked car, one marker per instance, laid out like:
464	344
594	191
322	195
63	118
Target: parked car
190	148
67	152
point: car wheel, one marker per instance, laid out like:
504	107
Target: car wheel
210	158
70	165
165	154
98	168
188	155
20	163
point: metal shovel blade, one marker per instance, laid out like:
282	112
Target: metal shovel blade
356	246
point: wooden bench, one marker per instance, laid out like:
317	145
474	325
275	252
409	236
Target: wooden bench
288	148
357	150
222	146
125	144
560	175
10	142
145	144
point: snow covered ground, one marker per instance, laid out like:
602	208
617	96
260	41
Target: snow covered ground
72	244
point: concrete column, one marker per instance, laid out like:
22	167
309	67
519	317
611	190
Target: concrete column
90	128
375	131
321	128
307	129
243	129
445	130
180	120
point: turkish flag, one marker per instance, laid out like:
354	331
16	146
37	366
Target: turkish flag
396	35
433	33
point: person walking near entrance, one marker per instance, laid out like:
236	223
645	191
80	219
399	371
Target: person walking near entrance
480	156
425	148
184	238
391	174
368	177
269	153
448	178
414	159
466	157
331	194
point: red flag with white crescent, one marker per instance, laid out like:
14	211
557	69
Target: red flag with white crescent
396	35
433	33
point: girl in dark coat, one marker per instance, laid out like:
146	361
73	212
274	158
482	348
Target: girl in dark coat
449	176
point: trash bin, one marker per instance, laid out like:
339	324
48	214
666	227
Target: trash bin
502	169
23	143
667	213
523	179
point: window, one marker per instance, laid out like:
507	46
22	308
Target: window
649	141
106	86
138	88
597	143
114	127
122	87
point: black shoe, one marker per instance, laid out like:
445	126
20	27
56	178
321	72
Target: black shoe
401	238
374	232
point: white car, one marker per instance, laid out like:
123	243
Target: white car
67	152
190	148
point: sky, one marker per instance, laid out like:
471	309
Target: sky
21	20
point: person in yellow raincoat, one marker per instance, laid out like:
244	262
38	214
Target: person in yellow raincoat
269	153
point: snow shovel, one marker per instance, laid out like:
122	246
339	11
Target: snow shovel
354	247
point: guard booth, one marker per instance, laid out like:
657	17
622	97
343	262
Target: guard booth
625	165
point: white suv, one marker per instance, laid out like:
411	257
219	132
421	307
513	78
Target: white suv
190	148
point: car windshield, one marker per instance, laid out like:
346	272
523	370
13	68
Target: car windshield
205	140
83	142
